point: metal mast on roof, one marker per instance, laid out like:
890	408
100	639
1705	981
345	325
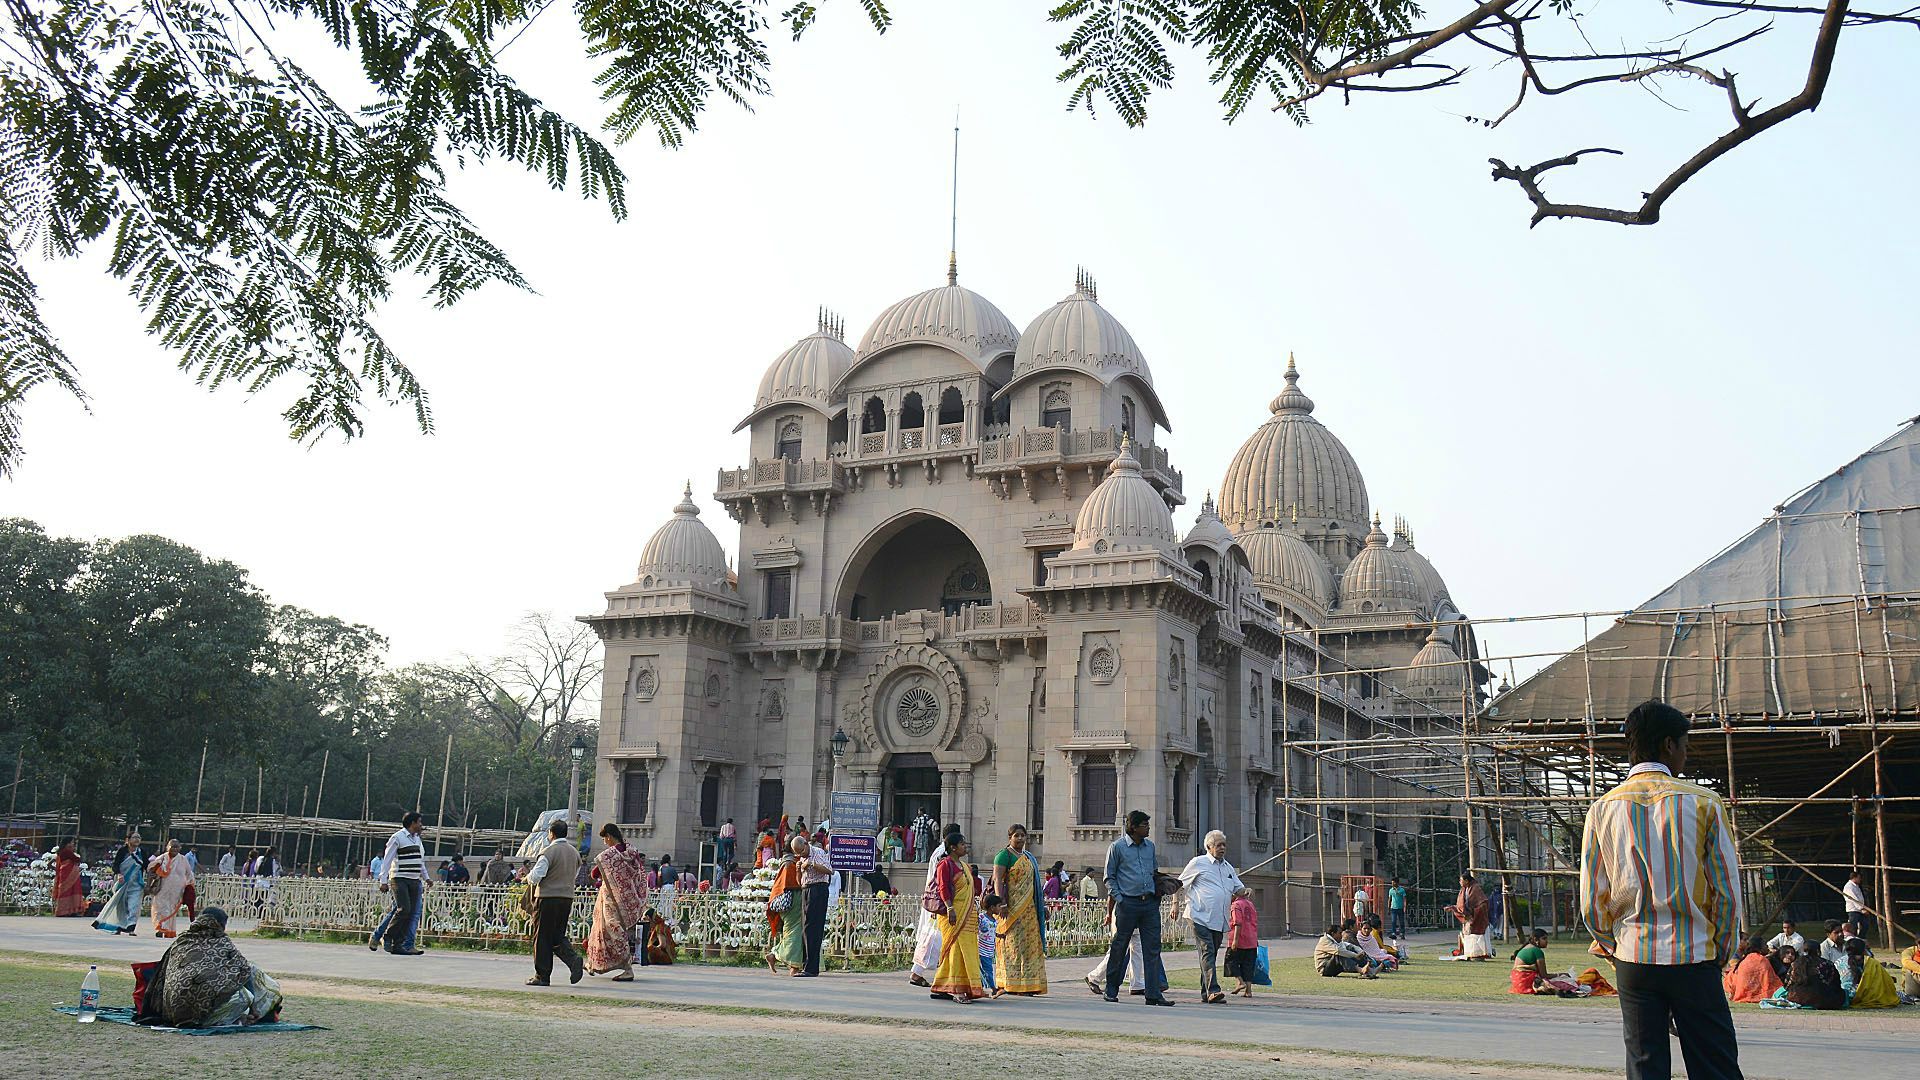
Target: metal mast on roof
953	236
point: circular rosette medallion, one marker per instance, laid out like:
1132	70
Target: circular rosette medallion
916	708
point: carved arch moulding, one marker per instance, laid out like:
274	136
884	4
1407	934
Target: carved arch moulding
913	700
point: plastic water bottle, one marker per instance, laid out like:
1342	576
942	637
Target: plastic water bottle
90	995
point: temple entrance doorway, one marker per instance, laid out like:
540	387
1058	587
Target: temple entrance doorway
913	788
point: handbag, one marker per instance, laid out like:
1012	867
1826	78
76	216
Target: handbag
1261	976
930	901
781	904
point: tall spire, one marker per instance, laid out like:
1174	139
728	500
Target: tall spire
953	235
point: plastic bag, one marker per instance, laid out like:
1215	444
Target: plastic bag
1261	976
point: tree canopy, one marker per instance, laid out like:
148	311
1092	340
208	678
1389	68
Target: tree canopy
259	220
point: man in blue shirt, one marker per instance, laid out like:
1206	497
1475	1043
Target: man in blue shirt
1133	903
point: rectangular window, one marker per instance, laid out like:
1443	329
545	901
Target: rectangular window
633	797
788	448
773	797
1037	813
779	594
1099	794
710	801
1056	418
1040	558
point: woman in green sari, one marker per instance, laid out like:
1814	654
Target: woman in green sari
787	945
1020	952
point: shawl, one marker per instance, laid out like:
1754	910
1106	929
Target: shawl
201	969
623	883
1471	908
787	879
1875	989
1753	979
1815	983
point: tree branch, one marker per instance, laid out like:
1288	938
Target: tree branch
1746	126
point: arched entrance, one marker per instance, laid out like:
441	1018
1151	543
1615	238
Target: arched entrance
916	562
912	787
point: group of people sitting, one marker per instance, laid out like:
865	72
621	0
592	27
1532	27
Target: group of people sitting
1356	946
1838	971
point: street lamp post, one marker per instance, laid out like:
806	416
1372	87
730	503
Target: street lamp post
839	743
577	751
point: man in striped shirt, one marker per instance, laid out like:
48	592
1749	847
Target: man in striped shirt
1657	890
405	869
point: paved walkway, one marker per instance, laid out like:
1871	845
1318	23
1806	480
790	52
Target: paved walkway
1788	1045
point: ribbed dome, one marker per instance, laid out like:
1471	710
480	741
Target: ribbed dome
806	373
1207	529
684	551
1293	468
1379	579
1432	586
1077	334
959	319
1436	670
1125	511
1285	568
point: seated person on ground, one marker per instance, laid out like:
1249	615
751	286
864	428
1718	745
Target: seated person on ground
1529	975
1332	955
1782	961
1867	982
1813	982
1833	947
1787	936
1752	977
1369	942
203	981
1910	970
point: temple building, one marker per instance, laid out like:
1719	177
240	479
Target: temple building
960	586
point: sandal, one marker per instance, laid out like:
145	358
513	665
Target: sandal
628	977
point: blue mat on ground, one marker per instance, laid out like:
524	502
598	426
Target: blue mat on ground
124	1015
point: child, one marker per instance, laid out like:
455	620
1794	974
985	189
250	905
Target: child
991	910
1243	939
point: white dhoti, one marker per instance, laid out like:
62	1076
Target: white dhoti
1472	945
1136	967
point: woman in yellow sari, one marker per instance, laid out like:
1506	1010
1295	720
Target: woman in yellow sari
1020	949
958	976
787	914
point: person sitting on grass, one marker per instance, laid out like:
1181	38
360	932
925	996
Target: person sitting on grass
1375	928
1867	982
1833	947
1529	974
1787	936
1333	955
1369	943
1813	983
202	981
1751	977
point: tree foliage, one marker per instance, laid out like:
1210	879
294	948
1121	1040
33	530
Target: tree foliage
126	660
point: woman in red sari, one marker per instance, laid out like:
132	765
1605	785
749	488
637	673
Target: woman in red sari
69	896
621	873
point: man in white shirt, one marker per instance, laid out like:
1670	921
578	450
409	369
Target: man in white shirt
1360	900
226	861
404	867
1787	936
1210	881
1856	898
1833	948
815	873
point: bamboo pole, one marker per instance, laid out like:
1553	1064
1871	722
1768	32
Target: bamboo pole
440	819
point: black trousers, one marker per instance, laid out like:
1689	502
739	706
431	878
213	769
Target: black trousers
1692	997
406	899
815	927
1133	915
550	936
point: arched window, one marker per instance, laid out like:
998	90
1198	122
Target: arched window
787	443
1036	813
1056	408
873	417
1206	575
710	800
953	409
1126	416
1181	776
912	413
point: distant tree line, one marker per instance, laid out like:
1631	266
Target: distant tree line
123	661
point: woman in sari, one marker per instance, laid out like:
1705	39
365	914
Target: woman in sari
1752	977
172	873
958	976
1529	973
1470	908
1868	984
203	982
122	913
69	896
786	918
621	874
1020	951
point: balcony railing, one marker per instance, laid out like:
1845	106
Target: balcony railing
1037	447
976	621
779	474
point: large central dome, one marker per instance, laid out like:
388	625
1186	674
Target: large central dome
1293	470
950	316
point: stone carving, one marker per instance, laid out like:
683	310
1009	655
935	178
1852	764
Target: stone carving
715	689
917	710
646	684
881	717
1103	665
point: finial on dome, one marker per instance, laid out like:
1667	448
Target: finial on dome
1292	399
1376	538
1296	513
1124	461
1206	506
829	323
686	502
1084	285
953	268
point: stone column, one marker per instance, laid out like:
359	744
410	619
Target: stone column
1121	759
949	799
964	782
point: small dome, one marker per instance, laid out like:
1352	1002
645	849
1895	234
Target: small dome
949	316
1379	579
684	551
1207	530
1124	511
1436	670
1293	468
1287	570
806	373
1432	586
1077	334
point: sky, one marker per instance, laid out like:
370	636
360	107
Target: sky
1571	416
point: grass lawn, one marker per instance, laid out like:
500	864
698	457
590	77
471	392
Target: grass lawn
1428	976
429	1032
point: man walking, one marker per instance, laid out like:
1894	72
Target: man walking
404	864
1859	920
1657	890
1134	904
226	861
1210	881
816	874
552	881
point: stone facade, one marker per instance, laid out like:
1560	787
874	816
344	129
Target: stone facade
956	549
